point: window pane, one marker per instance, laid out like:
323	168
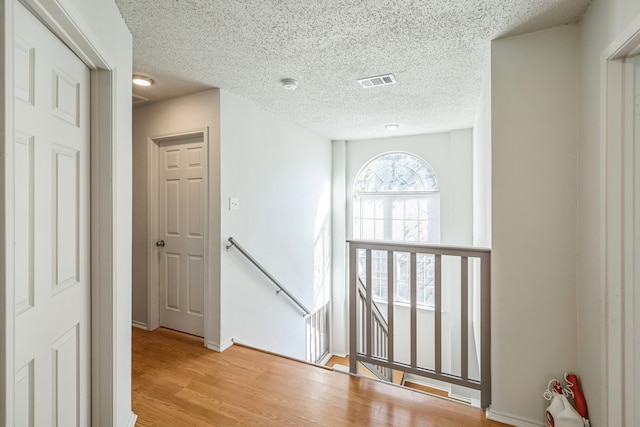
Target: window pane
412	211
368	209
396	172
379	274
426	278
397	211
411	231
423	232
402	276
379	208
368	229
397	231
379	235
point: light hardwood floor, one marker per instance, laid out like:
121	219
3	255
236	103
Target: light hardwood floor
177	382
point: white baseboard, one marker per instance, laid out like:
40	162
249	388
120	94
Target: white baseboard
132	420
325	359
514	420
341	368
218	347
428	382
139	325
465	399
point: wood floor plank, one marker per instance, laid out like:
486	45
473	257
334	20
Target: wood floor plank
177	382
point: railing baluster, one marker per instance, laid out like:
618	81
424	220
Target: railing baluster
313	333
320	324
361	336
464	317
485	327
413	292
437	294
323	322
374	337
390	308
369	315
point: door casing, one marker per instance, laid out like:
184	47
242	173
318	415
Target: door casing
620	225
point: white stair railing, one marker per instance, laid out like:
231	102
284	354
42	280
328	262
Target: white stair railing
318	334
370	346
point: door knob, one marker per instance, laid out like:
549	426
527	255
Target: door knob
160	243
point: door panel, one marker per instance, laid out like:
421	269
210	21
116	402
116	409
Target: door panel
51	230
23	222
65	214
196	213
181	210
196	288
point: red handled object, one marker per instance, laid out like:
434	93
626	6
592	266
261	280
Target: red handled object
578	398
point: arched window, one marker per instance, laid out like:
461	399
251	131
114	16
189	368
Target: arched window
397	198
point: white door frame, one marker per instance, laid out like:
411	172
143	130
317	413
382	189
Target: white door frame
153	262
104	110
620	247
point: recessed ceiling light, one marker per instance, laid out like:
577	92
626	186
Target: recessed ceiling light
289	84
392	126
142	81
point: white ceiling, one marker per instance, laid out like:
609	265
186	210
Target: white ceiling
438	50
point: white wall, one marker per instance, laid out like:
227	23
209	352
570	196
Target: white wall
187	113
482	167
598	28
282	175
340	303
534	169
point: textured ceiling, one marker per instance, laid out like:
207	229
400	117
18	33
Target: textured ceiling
437	49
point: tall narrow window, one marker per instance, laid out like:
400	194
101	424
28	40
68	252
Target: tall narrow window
397	198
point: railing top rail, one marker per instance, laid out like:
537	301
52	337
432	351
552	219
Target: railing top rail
419	248
243	251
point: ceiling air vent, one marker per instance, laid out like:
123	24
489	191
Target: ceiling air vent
137	99
376	81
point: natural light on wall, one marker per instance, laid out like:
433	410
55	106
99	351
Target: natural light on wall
318	323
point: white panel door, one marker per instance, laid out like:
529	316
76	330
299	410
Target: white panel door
51	230
182	168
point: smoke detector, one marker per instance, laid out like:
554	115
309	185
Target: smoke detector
289	84
384	80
